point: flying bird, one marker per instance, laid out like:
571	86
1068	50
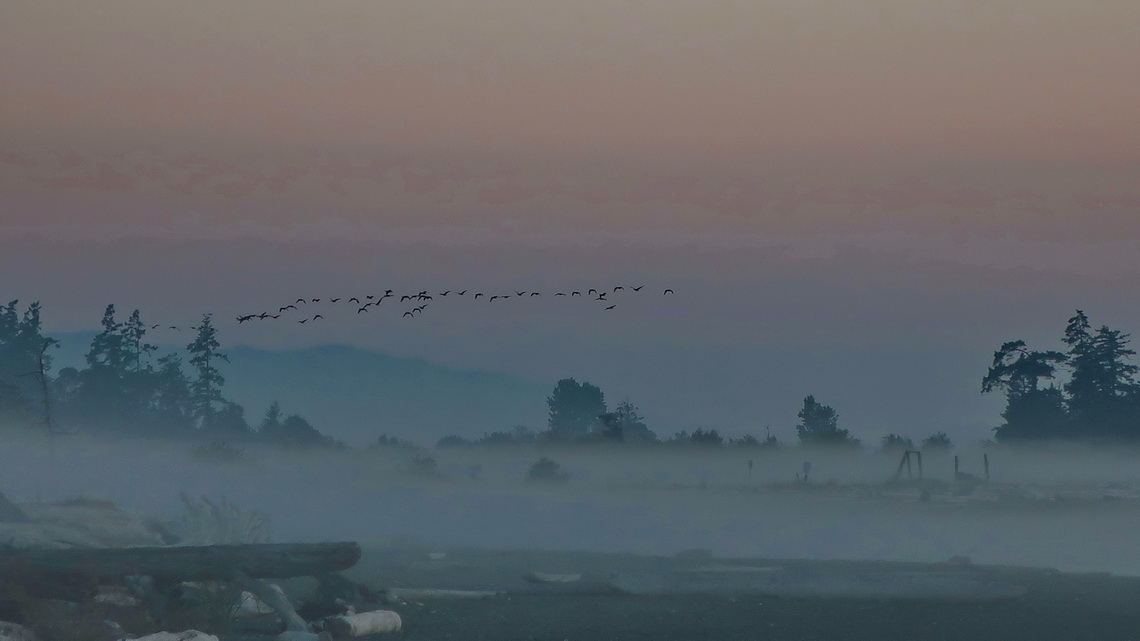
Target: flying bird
619	287
575	294
402	298
478	295
408	314
535	294
462	292
560	294
317	316
611	306
354	300
445	293
592	291
300	300
638	288
333	300
667	291
303	321
362	309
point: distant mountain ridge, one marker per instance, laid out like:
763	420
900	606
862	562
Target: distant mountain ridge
355	395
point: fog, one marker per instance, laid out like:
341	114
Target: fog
1065	507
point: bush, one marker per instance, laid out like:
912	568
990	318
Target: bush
545	470
425	465
937	441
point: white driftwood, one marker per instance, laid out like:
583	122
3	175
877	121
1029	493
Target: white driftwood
364	623
542	577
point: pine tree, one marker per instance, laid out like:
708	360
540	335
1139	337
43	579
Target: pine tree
206	389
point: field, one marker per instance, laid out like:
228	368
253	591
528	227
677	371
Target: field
630	511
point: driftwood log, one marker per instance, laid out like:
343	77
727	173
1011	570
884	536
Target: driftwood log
191	563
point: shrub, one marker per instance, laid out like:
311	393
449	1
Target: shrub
936	442
545	470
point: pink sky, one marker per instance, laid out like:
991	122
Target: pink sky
988	154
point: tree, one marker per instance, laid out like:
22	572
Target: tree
895	444
626	424
1103	395
171	403
819	425
936	442
206	389
1030	411
575	409
21	347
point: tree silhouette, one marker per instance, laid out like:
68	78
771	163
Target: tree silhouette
206	389
819	425
575	409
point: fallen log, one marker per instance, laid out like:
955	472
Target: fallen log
210	562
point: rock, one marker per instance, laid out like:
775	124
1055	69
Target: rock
15	632
10	512
74	523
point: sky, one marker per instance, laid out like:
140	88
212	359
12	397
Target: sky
856	200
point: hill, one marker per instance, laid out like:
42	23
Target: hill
354	395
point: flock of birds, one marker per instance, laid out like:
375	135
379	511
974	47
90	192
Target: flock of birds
416	303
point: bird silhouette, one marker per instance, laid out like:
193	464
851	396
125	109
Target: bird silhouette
303	321
286	307
611	306
354	300
638	288
478	295
445	293
667	291
619	287
408	314
333	300
462	292
592	291
317	316
560	294
175	328
533	294
300	300
362	309
402	298
520	293
572	294
316	300
154	326
494	297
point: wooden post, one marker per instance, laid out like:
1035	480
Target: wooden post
902	462
906	457
986	461
919	455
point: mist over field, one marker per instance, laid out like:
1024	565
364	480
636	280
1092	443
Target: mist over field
1069	509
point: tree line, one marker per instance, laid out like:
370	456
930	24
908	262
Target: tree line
1087	390
126	389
